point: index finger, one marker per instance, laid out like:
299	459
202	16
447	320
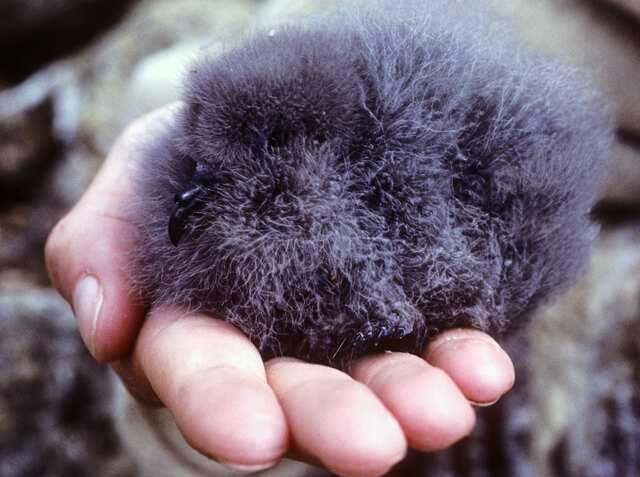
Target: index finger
213	381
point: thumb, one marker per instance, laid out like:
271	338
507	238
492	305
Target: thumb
86	252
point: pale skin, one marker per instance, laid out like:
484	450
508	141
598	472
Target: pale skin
227	402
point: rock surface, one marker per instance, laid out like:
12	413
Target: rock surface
586	397
27	142
33	32
54	399
621	186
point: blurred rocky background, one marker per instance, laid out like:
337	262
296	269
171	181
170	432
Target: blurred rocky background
73	73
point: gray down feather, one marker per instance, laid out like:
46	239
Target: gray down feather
366	178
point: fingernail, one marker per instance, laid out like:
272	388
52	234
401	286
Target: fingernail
249	469
483	404
460	337
87	302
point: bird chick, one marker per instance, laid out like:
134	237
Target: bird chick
366	178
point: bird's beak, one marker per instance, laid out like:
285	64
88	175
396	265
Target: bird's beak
187	201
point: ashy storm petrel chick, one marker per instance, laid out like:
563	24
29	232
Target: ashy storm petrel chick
366	178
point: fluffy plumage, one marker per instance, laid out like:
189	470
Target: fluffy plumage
369	178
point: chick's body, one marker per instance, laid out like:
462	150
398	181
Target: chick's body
367	180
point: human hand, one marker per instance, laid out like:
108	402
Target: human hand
227	402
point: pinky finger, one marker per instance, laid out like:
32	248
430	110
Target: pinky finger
481	369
